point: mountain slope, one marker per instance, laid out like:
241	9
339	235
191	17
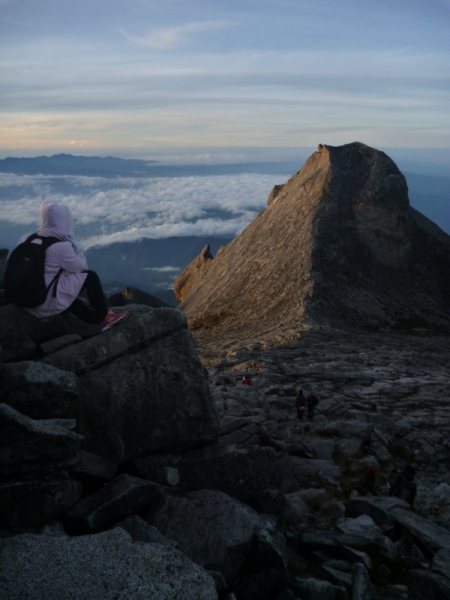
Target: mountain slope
338	244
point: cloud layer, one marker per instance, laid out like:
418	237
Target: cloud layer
128	209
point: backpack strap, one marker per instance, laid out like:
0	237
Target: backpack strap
54	283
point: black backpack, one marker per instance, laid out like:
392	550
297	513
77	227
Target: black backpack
25	273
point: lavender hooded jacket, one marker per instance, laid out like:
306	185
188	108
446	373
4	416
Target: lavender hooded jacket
55	221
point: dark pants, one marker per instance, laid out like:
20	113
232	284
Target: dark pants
300	412
311	412
96	299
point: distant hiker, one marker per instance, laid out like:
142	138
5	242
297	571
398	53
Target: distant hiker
403	485
300	404
312	401
246	380
368	484
58	273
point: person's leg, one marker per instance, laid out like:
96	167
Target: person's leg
80	310
95	295
101	315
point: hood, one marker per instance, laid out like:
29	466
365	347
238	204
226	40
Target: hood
55	220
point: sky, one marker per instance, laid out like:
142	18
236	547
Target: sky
193	78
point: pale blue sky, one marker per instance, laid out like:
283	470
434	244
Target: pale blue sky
144	77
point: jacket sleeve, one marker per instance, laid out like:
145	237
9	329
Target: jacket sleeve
71	262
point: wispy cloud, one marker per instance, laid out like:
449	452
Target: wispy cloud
171	38
167	269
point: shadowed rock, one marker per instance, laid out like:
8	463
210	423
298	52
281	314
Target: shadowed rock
37	390
211	528
131	295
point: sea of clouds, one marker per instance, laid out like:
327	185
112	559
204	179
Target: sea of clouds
128	209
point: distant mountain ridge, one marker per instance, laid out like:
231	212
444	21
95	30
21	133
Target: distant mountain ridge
95	166
68	164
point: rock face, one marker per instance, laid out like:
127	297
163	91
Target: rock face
338	244
187	281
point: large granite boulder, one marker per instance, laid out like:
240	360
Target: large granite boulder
124	496
21	333
143	388
35	501
34	459
98	567
214	530
37	390
29	447
423	584
432	536
264	571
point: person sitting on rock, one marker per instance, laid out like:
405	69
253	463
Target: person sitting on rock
312	401
65	264
246	380
300	404
403	485
367	484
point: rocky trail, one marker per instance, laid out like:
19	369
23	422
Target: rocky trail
397	385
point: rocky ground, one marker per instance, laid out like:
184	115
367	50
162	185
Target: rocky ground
128	466
399	385
384	402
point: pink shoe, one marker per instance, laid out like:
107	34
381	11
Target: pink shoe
112	319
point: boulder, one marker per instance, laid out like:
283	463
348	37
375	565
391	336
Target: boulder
32	447
305	468
424	584
362	587
311	588
34	458
36	501
297	510
239	472
38	391
264	571
141	531
441	563
214	530
363	526
124	496
96	567
431	535
143	388
21	333
93	468
59	343
377	507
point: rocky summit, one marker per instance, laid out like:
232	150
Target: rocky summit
338	244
